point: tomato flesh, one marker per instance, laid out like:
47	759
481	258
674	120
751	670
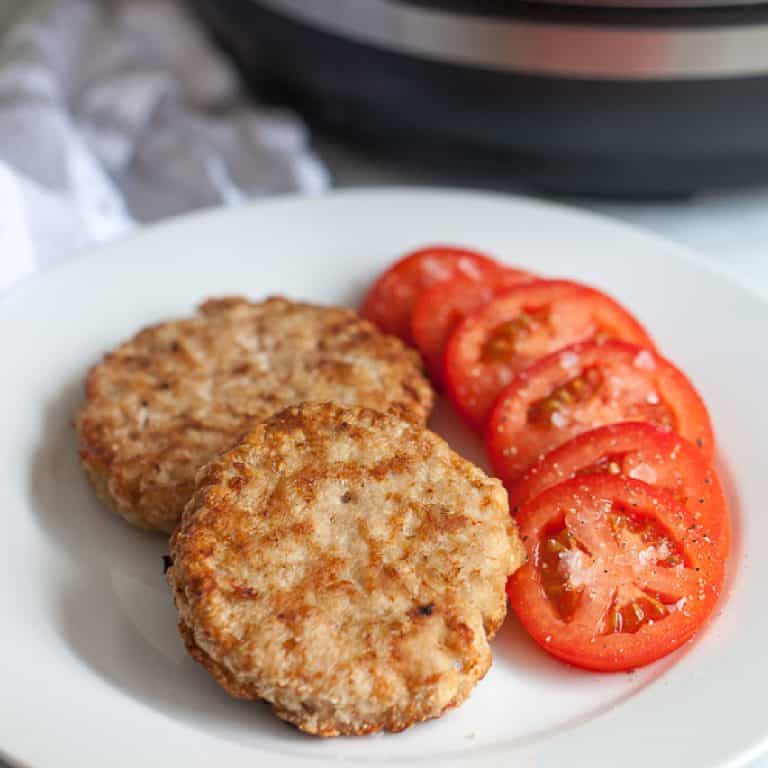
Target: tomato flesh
441	307
586	386
390	301
560	557
493	344
615	578
641	452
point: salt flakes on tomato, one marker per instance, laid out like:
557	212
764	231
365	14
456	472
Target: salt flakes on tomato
495	343
545	406
613	579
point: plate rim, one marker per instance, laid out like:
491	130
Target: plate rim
211	213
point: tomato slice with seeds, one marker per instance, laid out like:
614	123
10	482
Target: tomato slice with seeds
441	307
585	386
390	300
496	342
641	452
615	577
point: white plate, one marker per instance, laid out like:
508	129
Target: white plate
93	673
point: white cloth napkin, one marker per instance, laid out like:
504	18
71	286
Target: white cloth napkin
117	112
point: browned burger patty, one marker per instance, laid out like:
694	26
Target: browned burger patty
167	401
347	567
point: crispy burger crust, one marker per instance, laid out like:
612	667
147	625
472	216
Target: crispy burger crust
167	401
346	566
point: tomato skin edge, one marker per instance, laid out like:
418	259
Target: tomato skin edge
675	380
612	661
612	652
638	438
397	323
452	364
431	346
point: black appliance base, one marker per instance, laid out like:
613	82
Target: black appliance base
567	136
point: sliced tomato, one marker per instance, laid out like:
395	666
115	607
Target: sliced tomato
641	452
496	342
616	577
587	386
390	300
441	307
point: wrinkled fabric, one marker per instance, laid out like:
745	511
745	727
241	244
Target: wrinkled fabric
118	112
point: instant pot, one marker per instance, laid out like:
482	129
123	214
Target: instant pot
629	97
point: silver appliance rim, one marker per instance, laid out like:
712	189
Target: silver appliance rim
540	48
